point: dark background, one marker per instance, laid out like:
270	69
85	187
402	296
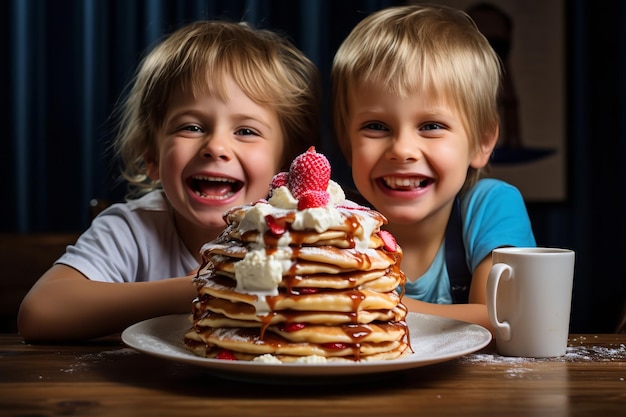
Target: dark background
67	62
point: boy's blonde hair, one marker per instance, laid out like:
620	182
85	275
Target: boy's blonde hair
427	49
197	57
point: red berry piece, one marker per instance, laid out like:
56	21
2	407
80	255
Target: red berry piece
226	355
309	171
389	242
292	327
312	199
335	346
276	227
279	180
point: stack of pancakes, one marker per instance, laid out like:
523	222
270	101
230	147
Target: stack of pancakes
333	295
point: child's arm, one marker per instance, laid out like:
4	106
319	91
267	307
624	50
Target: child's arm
473	312
65	305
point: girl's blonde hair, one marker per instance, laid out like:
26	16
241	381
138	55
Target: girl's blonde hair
197	58
433	50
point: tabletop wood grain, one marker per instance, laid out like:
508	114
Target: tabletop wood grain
107	378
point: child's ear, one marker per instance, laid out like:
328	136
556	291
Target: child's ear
152	166
483	153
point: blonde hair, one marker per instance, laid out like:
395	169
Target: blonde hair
266	66
435	50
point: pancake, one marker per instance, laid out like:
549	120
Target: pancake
346	301
340	259
220	313
247	344
378	280
305	275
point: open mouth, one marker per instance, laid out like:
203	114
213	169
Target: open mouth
406	183
215	188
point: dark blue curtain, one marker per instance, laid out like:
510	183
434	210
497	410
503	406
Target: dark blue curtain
67	62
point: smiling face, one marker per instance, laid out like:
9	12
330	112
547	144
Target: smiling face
214	154
410	155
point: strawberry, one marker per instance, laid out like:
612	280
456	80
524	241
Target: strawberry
292	327
336	346
308	171
279	180
389	242
226	355
312	199
275	226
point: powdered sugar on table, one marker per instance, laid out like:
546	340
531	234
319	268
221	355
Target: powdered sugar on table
575	352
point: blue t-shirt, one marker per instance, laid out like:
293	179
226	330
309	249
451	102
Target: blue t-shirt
493	214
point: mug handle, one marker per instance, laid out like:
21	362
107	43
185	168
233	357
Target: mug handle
503	329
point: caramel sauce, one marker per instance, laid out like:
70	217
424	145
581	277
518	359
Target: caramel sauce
291	288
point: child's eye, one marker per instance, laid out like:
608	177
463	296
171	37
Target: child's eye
193	128
244	131
375	126
431	126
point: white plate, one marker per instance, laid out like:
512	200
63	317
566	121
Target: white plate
433	339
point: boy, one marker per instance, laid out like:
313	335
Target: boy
415	111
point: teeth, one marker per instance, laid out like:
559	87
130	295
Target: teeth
213	197
405	182
215	179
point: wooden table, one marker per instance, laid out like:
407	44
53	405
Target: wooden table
105	377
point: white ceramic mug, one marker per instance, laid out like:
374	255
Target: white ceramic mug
529	295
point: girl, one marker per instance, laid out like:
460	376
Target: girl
215	111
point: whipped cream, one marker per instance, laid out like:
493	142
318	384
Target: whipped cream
266	358
260	272
269	358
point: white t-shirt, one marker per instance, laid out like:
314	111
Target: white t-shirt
131	242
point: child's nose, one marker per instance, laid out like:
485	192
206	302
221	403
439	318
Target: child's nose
405	148
216	147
